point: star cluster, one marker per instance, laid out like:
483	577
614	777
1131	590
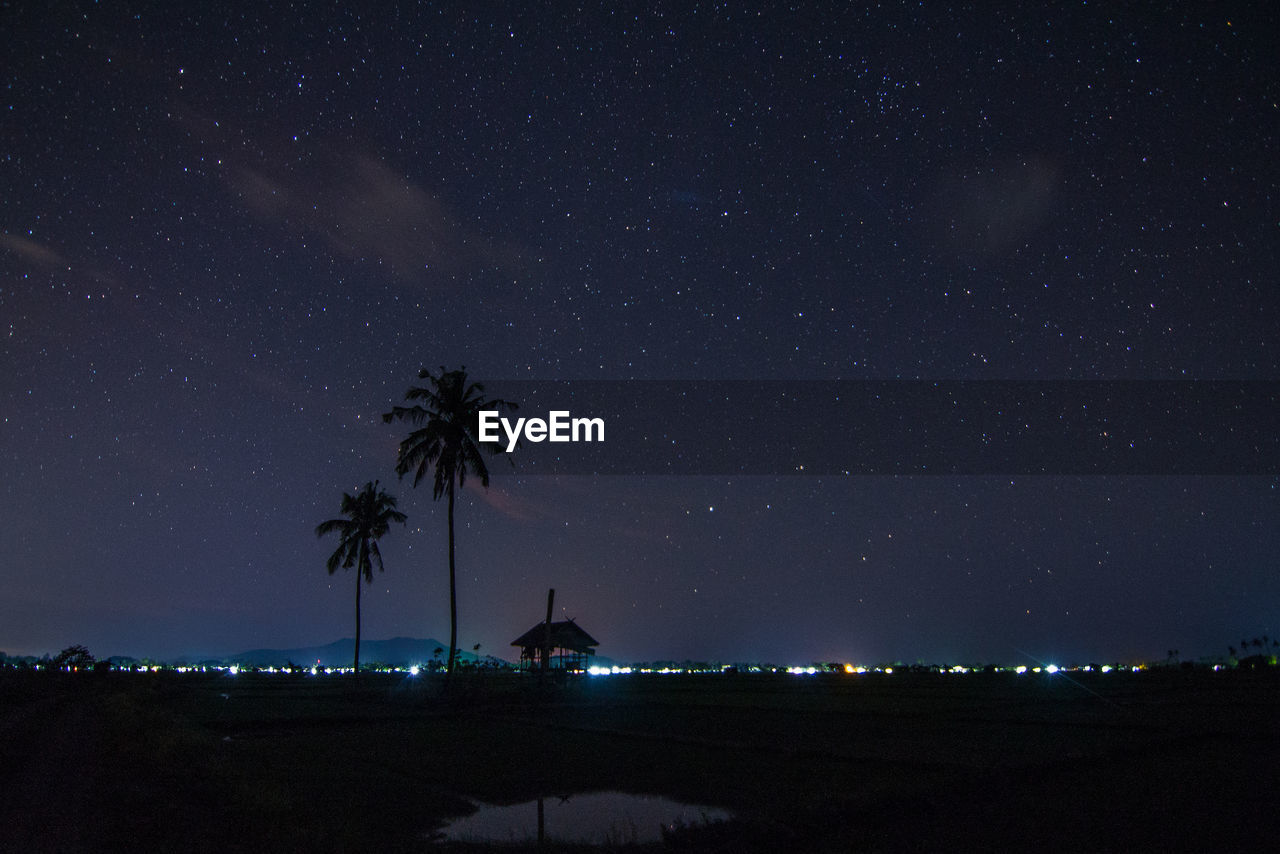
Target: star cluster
229	238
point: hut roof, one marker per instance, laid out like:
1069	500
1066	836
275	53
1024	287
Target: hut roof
564	635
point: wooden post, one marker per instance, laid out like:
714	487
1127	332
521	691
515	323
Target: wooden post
546	636
542	824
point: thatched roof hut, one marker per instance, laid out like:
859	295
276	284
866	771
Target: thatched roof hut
570	646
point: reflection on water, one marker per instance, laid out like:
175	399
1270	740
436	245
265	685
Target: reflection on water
594	818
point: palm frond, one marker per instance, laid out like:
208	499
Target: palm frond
330	525
446	441
369	513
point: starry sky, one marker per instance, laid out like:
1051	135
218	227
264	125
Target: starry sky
231	234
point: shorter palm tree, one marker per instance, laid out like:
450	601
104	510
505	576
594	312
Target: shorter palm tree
369	514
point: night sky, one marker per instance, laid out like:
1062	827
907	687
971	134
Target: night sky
230	237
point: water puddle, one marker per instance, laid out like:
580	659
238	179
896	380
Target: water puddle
592	818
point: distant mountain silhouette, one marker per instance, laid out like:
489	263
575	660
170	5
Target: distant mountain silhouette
394	651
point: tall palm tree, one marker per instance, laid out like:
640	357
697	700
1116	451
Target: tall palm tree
369	513
445	415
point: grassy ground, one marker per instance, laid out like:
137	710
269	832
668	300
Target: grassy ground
1173	761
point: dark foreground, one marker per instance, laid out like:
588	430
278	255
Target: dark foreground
1174	761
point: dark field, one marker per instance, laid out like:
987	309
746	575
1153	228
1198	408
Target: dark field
1171	760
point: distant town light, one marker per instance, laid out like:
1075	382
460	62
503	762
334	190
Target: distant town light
1052	668
1021	668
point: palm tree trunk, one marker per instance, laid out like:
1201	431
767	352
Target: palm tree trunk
453	592
356	665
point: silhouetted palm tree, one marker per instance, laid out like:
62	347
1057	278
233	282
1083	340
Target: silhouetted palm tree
445	414
369	514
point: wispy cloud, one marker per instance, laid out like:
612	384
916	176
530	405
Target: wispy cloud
992	209
508	505
365	210
34	253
